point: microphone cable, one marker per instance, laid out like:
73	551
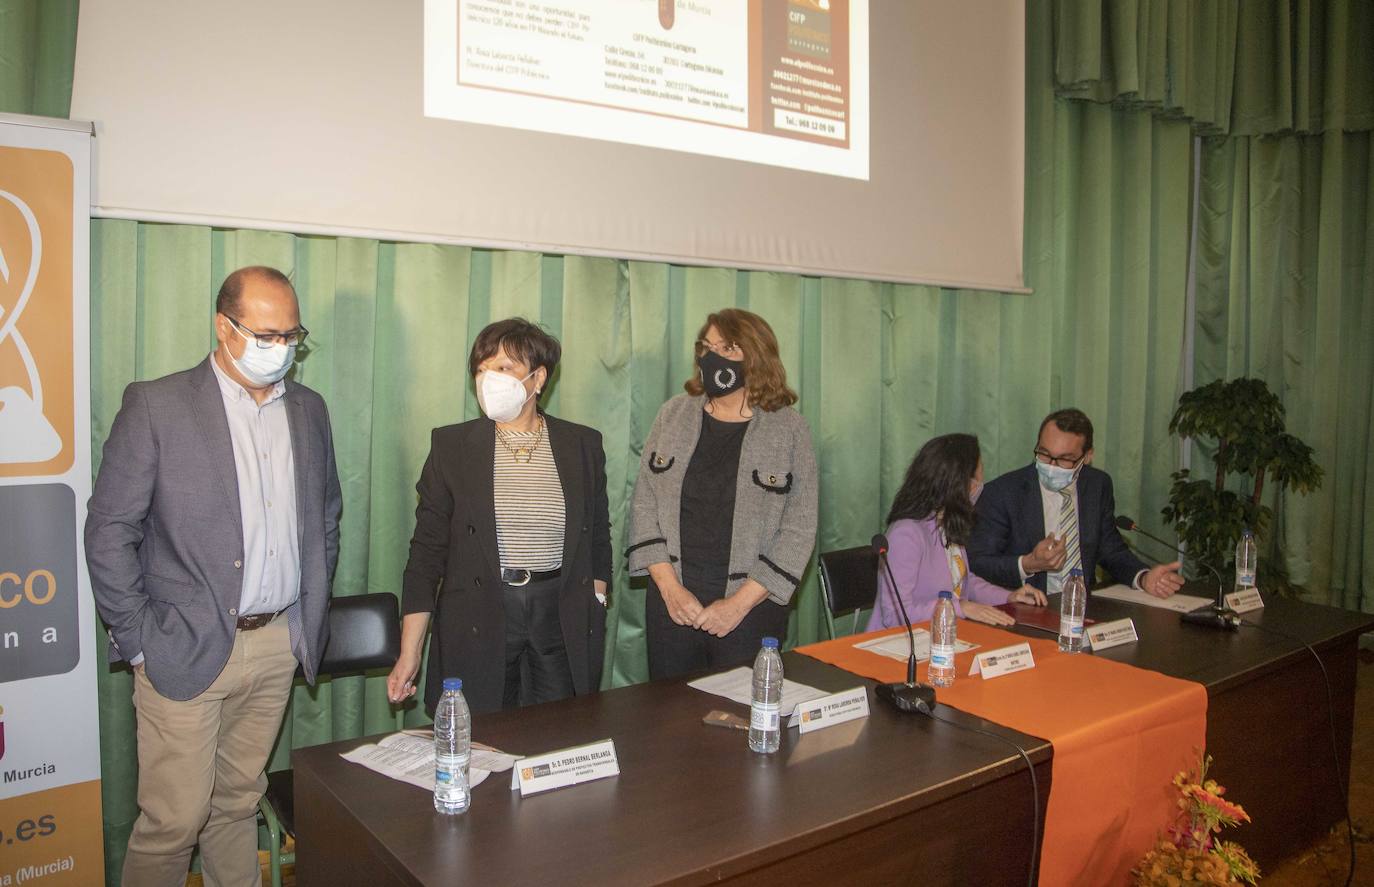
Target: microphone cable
1331	720
1035	785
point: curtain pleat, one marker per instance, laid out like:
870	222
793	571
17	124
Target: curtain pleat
37	56
1231	67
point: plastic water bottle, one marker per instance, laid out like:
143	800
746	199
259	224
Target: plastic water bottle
944	631
766	703
1071	607
452	749
1247	561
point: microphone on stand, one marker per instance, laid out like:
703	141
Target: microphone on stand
1215	615
909	696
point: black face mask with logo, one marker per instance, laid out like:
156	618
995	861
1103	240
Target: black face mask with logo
720	375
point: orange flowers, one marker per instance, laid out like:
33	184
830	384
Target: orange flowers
1224	812
1191	854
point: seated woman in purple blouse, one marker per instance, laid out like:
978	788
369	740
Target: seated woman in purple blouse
931	519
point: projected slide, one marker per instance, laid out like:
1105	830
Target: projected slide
782	82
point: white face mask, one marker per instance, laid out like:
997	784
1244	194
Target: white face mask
262	366
1054	478
501	396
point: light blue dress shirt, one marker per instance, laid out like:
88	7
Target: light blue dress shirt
267	496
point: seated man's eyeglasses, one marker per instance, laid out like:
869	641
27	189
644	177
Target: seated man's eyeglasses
1061	461
290	338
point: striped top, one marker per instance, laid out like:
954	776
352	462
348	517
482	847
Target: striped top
530	510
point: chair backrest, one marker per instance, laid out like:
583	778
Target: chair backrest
849	578
364	633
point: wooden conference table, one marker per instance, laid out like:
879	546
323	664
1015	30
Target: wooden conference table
889	799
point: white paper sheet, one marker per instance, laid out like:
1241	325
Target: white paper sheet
1179	603
409	757
898	646
738	686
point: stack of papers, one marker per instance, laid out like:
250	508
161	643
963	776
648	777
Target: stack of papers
409	757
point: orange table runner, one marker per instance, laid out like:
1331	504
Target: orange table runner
1119	733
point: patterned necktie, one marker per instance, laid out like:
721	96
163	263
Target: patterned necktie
1068	533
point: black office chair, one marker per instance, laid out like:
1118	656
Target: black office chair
849	580
364	634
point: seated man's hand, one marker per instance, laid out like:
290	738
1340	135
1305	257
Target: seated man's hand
1028	594
1162	580
1047	556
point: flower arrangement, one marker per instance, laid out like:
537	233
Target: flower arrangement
1191	854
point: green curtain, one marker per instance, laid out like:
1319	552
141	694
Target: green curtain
1237	67
37	56
880	368
1285	293
1283	93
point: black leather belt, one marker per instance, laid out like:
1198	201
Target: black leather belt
518	578
256	621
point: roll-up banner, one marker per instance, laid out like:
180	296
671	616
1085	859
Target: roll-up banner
50	821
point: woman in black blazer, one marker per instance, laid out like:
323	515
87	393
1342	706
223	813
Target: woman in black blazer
512	546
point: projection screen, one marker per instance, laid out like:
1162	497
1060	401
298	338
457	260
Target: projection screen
848	138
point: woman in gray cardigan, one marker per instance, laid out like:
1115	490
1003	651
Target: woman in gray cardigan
724	513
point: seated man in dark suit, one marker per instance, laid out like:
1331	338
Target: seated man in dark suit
1062	493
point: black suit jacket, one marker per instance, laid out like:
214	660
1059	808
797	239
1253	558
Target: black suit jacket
455	542
1011	521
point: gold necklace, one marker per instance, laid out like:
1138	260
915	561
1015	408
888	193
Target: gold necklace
523	454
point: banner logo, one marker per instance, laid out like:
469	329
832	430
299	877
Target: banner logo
36	391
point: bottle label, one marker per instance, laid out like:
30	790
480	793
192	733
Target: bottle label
941	655
764	715
1070	627
447	768
1245	578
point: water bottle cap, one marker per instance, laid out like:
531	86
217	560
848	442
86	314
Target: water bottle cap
1246	532
947	595
453	684
770	643
1076	572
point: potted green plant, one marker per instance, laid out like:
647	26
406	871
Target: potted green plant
1246	421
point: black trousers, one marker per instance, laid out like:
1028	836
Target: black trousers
677	650
537	668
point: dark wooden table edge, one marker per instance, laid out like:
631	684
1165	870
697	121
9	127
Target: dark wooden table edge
839	830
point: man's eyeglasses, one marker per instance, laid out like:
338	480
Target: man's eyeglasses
727	350
1042	455
290	338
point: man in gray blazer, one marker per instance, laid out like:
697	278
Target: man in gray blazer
211	539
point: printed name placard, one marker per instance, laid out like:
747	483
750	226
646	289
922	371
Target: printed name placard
1004	660
836	708
1245	600
568	766
1111	634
